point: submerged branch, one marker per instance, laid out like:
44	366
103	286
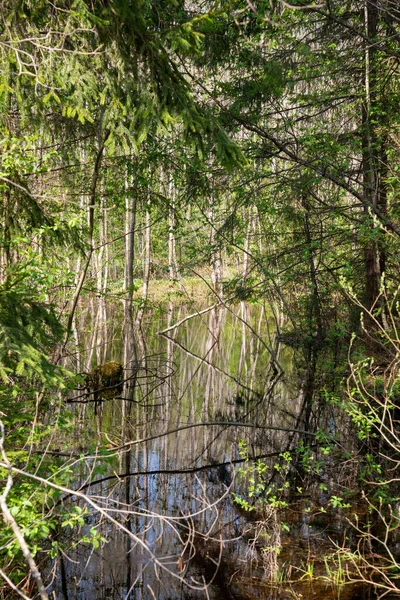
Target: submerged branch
104	512
190	471
210	364
209	424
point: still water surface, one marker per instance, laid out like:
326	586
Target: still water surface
188	538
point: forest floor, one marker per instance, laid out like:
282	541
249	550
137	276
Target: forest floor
186	291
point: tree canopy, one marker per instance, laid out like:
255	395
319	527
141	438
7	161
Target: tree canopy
250	148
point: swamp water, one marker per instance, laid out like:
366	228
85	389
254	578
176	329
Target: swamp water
163	492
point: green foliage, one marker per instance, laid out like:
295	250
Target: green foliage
258	493
255	134
28	328
337	502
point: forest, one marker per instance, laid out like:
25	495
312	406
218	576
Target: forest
199	299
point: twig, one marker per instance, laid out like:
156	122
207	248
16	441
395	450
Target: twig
188	317
104	513
13	586
9	520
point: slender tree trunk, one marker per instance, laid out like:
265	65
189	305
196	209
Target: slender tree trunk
91	209
9	78
130	224
315	324
173	268
246	215
374	186
216	260
6	255
130	354
146	277
105	265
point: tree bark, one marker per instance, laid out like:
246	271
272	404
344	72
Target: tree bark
130	224
91	209
373	251
146	274
216	261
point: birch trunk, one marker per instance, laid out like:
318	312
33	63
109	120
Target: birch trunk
146	278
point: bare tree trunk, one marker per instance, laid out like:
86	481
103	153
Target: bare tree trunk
315	324
146	267
91	209
6	254
173	268
374	186
101	267
104	268
130	354
211	353
216	260
246	247
130	224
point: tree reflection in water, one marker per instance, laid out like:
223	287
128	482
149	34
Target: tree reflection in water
164	500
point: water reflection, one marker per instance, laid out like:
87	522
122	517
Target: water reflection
171	494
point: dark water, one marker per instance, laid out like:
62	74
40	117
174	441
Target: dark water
171	529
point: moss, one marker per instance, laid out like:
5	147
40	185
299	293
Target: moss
110	370
110	375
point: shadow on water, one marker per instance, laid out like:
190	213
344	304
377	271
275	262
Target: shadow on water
162	483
